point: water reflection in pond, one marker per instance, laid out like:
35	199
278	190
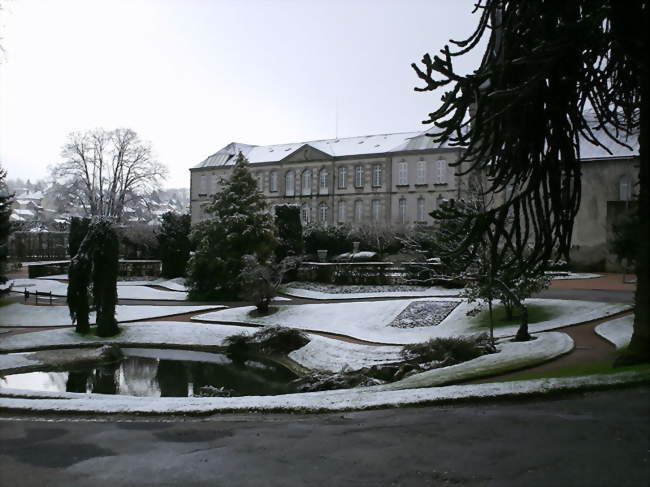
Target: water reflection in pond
163	373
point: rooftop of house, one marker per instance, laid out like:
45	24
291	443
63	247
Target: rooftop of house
341	147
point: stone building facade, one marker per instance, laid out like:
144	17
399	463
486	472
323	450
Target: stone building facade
398	179
377	179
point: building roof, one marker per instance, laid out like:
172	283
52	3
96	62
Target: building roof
341	147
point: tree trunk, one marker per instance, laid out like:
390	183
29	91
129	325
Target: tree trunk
639	348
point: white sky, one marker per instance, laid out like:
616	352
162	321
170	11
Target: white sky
193	75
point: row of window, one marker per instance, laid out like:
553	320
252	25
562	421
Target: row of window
358	175
358	212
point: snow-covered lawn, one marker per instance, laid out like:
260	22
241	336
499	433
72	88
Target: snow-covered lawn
342	293
151	333
125	289
331	355
511	356
369	320
18	314
338	400
618	331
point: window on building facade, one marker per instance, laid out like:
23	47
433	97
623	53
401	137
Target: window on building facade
273	181
306	182
343	177
377	176
402	174
323	178
305	214
375	210
420	210
441	171
341	212
421	174
358	211
402	210
323	211
358	177
203	185
624	188
290	184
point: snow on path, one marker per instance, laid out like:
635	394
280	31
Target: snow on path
618	331
320	295
124	291
369	320
18	314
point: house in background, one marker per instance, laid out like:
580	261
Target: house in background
398	179
374	179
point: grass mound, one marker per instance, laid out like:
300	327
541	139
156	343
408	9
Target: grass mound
536	313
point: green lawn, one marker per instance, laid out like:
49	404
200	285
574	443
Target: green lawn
536	313
576	370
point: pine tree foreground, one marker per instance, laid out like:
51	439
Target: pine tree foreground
240	224
521	114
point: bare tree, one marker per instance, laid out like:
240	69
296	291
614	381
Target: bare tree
106	169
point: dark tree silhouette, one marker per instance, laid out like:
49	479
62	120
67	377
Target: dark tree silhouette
548	65
6	199
96	262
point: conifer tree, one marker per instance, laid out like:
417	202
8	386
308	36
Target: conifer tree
5	224
522	113
174	243
240	224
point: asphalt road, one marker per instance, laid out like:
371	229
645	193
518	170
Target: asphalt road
594	439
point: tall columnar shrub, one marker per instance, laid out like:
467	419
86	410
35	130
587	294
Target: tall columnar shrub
240	224
174	243
289	226
78	231
93	269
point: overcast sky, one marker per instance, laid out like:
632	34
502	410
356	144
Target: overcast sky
190	76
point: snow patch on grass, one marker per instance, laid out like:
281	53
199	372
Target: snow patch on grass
331	355
511	356
618	331
342	296
338	400
152	333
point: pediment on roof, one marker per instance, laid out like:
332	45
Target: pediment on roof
305	153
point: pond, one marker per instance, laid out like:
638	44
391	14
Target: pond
163	373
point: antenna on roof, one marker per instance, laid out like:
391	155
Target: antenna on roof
336	118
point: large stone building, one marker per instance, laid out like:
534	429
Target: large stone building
386	179
400	178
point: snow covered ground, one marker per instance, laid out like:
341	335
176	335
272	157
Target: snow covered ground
331	355
511	356
125	289
338	400
573	275
322	295
618	331
369	320
18	314
151	333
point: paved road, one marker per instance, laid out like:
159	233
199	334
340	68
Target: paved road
595	439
